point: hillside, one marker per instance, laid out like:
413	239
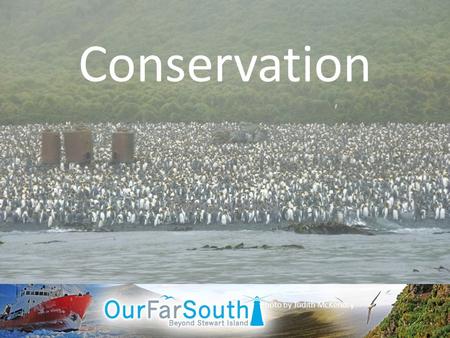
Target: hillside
406	43
420	311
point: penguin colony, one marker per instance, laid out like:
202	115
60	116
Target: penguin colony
302	173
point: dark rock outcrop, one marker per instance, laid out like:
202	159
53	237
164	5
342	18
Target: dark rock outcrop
292	246
241	246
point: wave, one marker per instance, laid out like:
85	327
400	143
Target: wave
407	230
60	230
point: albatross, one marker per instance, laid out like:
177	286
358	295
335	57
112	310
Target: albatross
371	306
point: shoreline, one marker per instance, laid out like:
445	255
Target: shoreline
371	227
126	227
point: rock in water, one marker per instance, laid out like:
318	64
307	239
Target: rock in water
239	246
293	246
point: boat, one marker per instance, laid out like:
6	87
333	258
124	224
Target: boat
46	307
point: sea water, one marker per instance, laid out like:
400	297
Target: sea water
407	254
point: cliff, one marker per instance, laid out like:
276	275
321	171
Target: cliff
420	311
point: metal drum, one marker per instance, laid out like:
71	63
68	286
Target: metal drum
122	146
50	147
78	146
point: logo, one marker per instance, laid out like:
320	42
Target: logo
256	313
189	313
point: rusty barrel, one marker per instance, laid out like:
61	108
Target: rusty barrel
122	147
78	146
50	147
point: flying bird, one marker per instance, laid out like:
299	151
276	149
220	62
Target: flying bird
442	268
165	297
371	306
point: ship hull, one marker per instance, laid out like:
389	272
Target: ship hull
58	314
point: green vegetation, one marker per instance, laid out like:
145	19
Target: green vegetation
405	41
420	311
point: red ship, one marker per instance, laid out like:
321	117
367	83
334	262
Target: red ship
45	308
